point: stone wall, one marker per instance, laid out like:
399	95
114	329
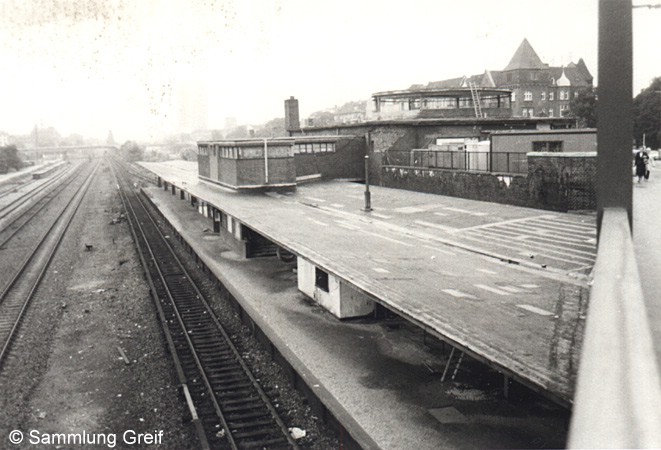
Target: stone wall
555	181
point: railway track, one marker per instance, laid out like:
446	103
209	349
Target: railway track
228	406
15	224
17	294
16	203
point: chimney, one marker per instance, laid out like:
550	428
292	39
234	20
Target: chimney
292	122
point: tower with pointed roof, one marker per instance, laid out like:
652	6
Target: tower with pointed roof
539	89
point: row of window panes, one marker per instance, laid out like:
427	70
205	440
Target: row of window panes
321	147
547	146
527	96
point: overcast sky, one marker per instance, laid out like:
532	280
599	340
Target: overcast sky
89	66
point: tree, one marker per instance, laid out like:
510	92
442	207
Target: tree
239	132
583	108
272	128
9	159
647	115
131	151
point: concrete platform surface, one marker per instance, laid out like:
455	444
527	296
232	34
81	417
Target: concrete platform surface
506	284
374	378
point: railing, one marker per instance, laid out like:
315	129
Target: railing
618	393
480	161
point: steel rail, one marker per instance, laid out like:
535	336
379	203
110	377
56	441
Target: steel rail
16	203
20	305
212	351
37	207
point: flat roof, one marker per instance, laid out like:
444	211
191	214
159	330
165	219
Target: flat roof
562	131
450	92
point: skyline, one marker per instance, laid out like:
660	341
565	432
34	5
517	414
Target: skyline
126	66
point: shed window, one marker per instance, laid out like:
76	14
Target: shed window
547	146
321	279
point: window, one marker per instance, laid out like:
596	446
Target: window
550	112
527	96
513	96
551	96
547	146
375	104
321	279
564	95
575	94
414	103
543	96
319	147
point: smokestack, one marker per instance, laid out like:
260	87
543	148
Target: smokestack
292	121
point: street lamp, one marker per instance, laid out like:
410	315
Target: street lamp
368	200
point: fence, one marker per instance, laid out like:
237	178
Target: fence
502	162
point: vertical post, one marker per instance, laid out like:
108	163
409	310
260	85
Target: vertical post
266	162
368	200
614	109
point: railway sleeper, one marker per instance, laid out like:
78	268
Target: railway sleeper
233	384
234	394
229	371
240	418
267	444
223	366
243	404
266	432
247	425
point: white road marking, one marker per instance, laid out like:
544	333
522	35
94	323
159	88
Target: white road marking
380	270
387	238
317	222
492	289
458	294
536	310
511	289
435	225
381	216
409	210
440	214
346	225
529	286
337	205
314	199
464	211
490	272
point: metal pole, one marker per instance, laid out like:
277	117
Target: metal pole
368	200
615	108
266	162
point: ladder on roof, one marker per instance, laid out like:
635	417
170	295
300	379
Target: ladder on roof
475	95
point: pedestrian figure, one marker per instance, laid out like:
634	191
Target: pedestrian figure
641	161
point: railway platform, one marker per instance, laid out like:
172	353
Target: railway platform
506	285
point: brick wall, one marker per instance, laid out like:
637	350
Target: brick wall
345	162
250	172
559	182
